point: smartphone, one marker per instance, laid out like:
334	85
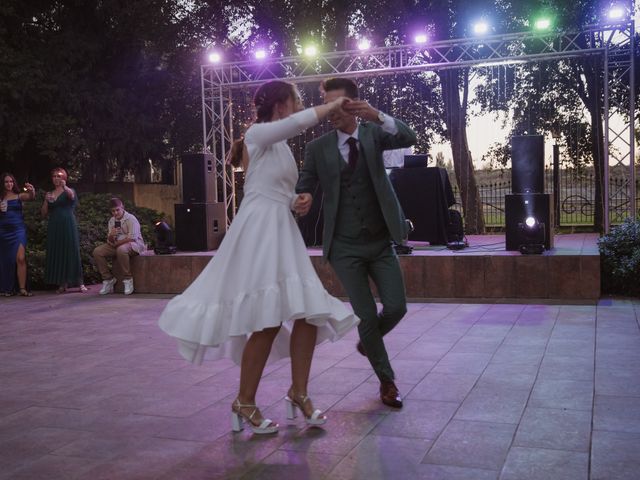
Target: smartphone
117	224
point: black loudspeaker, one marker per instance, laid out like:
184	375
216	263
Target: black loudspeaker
199	226
199	178
520	206
527	164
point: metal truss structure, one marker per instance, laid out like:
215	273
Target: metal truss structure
614	43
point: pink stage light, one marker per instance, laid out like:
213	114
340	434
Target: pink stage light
364	44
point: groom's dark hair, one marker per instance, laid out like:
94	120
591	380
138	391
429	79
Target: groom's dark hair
349	86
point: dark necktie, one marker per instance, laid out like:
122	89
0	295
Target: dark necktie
353	152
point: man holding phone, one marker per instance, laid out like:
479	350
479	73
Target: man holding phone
124	240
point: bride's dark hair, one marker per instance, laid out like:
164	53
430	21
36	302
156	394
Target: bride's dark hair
265	100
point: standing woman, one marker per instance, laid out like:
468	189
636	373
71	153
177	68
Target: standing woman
260	290
63	266
13	236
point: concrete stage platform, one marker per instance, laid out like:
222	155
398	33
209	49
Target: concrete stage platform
484	270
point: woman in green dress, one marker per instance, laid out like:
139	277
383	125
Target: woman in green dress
63	266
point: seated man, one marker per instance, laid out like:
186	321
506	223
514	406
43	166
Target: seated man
123	241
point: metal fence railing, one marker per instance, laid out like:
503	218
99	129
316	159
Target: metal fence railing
576	198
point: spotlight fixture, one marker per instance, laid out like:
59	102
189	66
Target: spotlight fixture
421	38
164	239
480	28
364	44
311	51
532	234
215	57
542	24
260	54
616	13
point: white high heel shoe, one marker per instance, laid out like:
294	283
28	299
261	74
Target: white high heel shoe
237	419
294	402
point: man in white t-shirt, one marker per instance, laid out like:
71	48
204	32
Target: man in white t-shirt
124	240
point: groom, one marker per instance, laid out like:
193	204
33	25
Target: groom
361	217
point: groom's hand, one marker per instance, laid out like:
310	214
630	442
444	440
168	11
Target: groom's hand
302	204
362	109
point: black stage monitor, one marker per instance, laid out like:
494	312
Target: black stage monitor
416	161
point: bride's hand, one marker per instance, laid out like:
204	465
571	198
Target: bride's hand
339	102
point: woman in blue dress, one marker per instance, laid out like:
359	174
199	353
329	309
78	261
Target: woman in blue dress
13	236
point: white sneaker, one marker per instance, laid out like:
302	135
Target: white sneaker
128	286
107	286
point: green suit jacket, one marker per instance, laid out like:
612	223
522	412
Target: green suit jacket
323	163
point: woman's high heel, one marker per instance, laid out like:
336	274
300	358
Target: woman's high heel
293	401
238	417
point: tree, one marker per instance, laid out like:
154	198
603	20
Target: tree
102	88
552	96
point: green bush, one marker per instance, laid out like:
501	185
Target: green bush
620	257
93	214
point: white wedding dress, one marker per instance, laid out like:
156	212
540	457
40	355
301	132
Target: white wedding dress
261	276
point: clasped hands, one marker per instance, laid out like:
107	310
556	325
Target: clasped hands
358	108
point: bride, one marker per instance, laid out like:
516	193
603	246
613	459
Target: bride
260	298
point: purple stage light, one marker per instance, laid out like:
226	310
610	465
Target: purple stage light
364	44
260	54
616	13
215	57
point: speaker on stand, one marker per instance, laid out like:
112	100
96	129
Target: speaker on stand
528	210
199	226
201	220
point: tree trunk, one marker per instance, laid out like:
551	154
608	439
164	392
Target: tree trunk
455	120
142	171
168	171
595	106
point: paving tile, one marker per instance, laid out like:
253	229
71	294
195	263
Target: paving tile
507	375
618	382
493	405
556	429
344	432
615	455
616	414
541	464
381	457
147	460
287	464
444	387
424	419
472	444
519	354
562	367
449	472
462	363
571	394
51	466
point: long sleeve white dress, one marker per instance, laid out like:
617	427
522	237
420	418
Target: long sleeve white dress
261	276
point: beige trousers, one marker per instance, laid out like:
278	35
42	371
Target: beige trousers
122	254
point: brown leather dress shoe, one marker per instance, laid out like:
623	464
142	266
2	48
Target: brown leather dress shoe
360	349
390	395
